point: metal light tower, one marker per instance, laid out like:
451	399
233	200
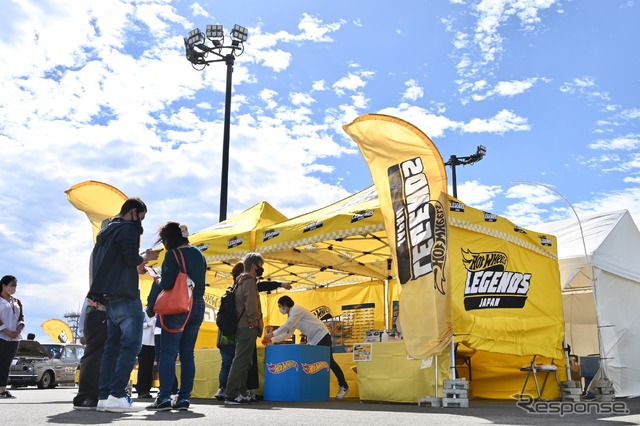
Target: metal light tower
200	55
463	161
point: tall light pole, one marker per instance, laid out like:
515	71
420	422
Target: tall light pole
463	161
198	53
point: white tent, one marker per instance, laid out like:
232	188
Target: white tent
612	243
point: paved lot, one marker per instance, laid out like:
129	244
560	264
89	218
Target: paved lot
53	406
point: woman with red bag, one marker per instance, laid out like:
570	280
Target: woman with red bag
175	239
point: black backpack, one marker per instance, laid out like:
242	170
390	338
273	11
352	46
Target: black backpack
227	318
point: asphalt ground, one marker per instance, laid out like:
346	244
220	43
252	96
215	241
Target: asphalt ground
53	406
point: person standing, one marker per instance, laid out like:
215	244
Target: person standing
175	239
315	330
92	329
11	325
114	268
227	345
249	328
146	358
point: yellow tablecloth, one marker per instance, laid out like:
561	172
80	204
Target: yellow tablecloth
391	376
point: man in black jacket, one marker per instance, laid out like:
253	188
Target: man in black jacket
114	268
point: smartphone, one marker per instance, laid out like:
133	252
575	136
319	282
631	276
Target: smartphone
152	272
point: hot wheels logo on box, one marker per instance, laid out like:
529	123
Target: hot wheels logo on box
315	367
281	367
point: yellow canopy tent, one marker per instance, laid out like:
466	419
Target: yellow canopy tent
501	338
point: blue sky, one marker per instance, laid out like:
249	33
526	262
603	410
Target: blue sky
102	91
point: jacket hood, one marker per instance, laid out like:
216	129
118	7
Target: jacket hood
114	226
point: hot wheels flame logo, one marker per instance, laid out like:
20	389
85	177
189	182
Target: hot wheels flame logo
315	367
281	367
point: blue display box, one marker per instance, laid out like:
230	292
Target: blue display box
296	373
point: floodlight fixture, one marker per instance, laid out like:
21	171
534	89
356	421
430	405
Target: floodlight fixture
454	161
215	33
239	33
195	38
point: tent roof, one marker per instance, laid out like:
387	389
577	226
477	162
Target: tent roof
611	239
342	243
225	243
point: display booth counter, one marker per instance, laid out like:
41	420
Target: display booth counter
208	364
387	374
296	373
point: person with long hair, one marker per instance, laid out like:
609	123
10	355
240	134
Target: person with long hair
11	325
174	237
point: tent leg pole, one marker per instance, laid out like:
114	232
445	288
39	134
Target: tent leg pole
435	374
452	354
566	355
386	305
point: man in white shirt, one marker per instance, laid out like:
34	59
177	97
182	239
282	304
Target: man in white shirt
315	330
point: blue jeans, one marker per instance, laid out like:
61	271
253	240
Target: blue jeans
227	352
124	340
183	344
157	338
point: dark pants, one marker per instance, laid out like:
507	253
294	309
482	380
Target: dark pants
227	353
145	369
253	381
8	351
158	348
326	341
95	334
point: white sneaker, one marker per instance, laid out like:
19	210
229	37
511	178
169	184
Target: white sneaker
342	392
220	394
122	405
102	405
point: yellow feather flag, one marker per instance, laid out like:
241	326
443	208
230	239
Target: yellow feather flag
99	201
411	182
58	330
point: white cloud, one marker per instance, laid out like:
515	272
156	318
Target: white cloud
627	143
630	114
504	88
413	92
477	195
319	86
479	48
198	10
585	86
504	121
351	82
299	98
262	44
433	125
